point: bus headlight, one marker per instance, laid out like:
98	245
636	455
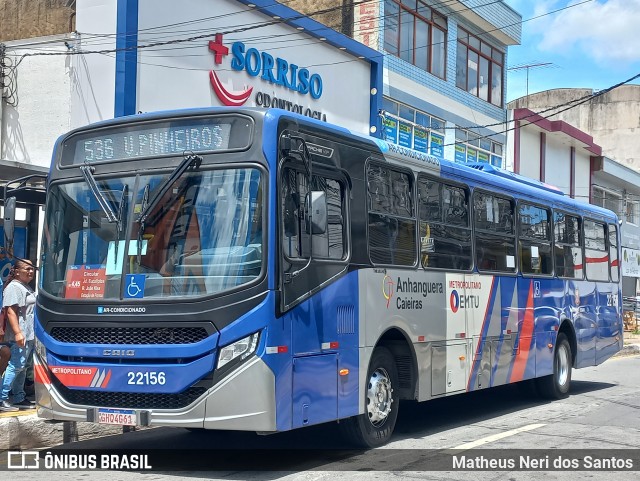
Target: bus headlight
239	350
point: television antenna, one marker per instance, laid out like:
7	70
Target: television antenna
528	67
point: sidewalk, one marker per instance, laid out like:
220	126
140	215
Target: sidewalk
631	344
24	430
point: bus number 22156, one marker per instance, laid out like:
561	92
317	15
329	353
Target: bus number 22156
146	378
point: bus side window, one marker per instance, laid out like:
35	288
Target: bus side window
495	238
614	261
595	249
291	212
326	245
534	242
391	218
445	233
568	246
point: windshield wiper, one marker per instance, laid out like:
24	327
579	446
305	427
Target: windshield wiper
190	160
145	203
120	224
121	209
87	171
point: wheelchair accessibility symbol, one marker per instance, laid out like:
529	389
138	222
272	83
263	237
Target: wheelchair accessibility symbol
134	286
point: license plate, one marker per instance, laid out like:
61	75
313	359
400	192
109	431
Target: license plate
119	417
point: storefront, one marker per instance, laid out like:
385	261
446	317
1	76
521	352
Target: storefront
170	55
30	197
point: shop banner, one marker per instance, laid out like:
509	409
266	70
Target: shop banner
391	130
472	155
405	137
420	140
630	262
437	145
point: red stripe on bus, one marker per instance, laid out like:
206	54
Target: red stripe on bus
106	380
40	374
596	259
524	341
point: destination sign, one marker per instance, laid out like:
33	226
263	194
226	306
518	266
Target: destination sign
155	139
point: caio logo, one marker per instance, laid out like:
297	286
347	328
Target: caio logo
273	70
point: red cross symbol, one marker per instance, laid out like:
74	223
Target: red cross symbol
219	49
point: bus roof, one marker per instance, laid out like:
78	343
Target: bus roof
477	172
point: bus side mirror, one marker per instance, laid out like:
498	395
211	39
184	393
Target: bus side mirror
316	203
9	223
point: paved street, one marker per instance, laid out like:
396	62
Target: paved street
601	413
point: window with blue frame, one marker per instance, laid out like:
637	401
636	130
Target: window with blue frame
471	147
412	128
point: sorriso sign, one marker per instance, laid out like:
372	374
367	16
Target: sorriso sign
272	70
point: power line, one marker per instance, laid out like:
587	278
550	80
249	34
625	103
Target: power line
567	106
289	19
277	21
191	38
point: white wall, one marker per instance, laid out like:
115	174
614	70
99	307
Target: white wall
176	76
582	174
93	75
42	114
558	165
530	153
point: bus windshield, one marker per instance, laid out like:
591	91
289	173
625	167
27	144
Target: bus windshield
203	237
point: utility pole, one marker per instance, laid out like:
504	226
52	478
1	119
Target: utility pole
2	51
2	81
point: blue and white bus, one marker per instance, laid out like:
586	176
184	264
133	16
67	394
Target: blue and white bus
257	270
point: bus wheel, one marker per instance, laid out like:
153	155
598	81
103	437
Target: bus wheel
375	426
556	385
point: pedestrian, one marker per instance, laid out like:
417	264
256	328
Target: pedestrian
5	352
19	300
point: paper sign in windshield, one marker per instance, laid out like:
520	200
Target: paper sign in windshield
85	282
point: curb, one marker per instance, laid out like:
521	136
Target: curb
628	350
23	430
28	431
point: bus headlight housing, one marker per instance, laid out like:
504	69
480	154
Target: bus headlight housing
238	351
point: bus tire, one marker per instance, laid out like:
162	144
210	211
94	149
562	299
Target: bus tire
556	385
375	426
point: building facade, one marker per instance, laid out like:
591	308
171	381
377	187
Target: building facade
163	56
422	74
553	152
26	19
35	78
445	63
612	118
565	154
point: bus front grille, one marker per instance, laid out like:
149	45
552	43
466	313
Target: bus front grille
130	400
129	335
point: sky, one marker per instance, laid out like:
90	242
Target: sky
592	44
